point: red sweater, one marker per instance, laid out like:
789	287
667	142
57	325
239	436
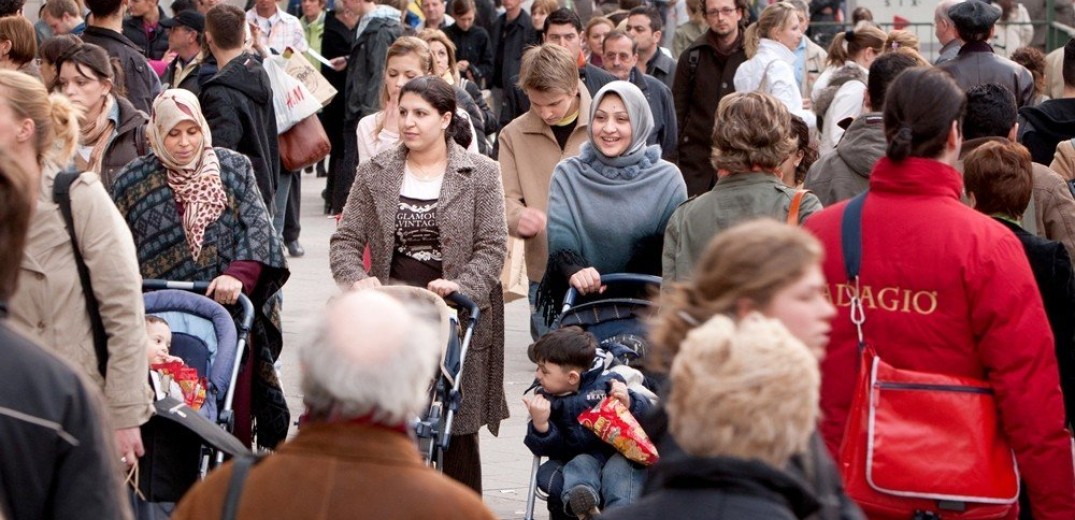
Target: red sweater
948	290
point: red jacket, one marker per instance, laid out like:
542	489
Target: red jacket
948	290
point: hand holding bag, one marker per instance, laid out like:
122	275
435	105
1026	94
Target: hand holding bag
920	445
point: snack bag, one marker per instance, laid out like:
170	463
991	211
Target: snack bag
192	386
614	424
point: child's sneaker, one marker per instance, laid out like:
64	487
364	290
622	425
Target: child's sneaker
583	502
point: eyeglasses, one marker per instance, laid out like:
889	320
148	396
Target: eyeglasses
724	12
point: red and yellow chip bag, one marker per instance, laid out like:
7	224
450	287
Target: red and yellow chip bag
192	386
614	424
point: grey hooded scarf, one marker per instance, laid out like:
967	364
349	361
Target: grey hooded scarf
609	213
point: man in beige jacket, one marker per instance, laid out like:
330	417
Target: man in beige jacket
49	306
532	144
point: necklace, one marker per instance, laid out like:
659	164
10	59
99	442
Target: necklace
422	174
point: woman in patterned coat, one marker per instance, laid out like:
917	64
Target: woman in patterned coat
432	215
196	215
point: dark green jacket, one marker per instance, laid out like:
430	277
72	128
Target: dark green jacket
735	198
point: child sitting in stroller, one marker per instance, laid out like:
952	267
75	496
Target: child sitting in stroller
169	375
572	381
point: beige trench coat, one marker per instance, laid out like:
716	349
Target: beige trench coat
49	306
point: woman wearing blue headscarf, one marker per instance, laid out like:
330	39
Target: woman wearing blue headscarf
608	206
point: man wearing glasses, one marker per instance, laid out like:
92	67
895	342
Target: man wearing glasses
703	76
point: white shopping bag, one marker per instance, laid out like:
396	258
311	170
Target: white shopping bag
291	99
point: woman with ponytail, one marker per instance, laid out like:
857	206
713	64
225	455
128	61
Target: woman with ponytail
431	215
49	306
840	96
978	313
770	43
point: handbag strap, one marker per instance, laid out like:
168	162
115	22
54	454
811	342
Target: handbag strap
851	243
239	471
61	195
796	203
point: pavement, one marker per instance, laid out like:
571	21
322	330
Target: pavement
506	461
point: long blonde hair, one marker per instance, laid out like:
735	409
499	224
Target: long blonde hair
436	35
773	17
751	261
403	46
55	119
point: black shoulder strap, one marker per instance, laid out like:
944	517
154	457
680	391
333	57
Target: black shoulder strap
851	236
61	195
239	471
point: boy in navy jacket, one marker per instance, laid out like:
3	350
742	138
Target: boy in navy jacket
573	381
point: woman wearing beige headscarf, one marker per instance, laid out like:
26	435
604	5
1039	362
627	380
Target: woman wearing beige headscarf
196	215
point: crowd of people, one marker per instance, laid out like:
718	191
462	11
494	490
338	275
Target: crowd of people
818	203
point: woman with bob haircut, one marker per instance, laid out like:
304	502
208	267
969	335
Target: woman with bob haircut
966	303
748	159
770	44
757	267
432	216
49	305
609	206
743	402
999	184
18	45
112	130
209	194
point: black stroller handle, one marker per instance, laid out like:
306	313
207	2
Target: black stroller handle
201	288
460	300
611	279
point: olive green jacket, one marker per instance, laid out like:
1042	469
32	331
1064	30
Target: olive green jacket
735	198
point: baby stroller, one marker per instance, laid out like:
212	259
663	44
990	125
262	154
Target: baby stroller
618	322
181	444
434	429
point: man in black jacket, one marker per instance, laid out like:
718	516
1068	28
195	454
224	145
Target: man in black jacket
145	27
58	459
377	29
562	28
237	101
104	28
976	63
704	76
473	47
184	38
510	33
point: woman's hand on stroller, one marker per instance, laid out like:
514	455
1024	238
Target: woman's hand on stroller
443	287
540	410
370	282
587	281
225	289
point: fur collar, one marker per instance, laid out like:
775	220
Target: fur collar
849	72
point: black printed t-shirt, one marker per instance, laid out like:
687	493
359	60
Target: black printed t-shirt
416	256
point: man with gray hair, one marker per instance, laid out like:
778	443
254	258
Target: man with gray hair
364	379
946	32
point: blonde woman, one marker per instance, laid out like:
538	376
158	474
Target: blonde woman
770	43
408	58
764	268
840	96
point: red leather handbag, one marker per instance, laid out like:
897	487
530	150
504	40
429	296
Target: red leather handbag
920	445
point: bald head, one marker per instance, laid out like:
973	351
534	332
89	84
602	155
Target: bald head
373	356
354	315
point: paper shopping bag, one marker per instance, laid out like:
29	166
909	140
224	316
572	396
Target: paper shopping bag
513	277
301	69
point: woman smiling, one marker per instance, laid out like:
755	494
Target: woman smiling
608	207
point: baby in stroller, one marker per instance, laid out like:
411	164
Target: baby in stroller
170	375
573	379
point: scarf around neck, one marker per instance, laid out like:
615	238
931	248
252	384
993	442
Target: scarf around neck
195	184
638	112
97	134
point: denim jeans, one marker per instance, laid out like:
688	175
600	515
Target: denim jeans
279	203
618	483
537	320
